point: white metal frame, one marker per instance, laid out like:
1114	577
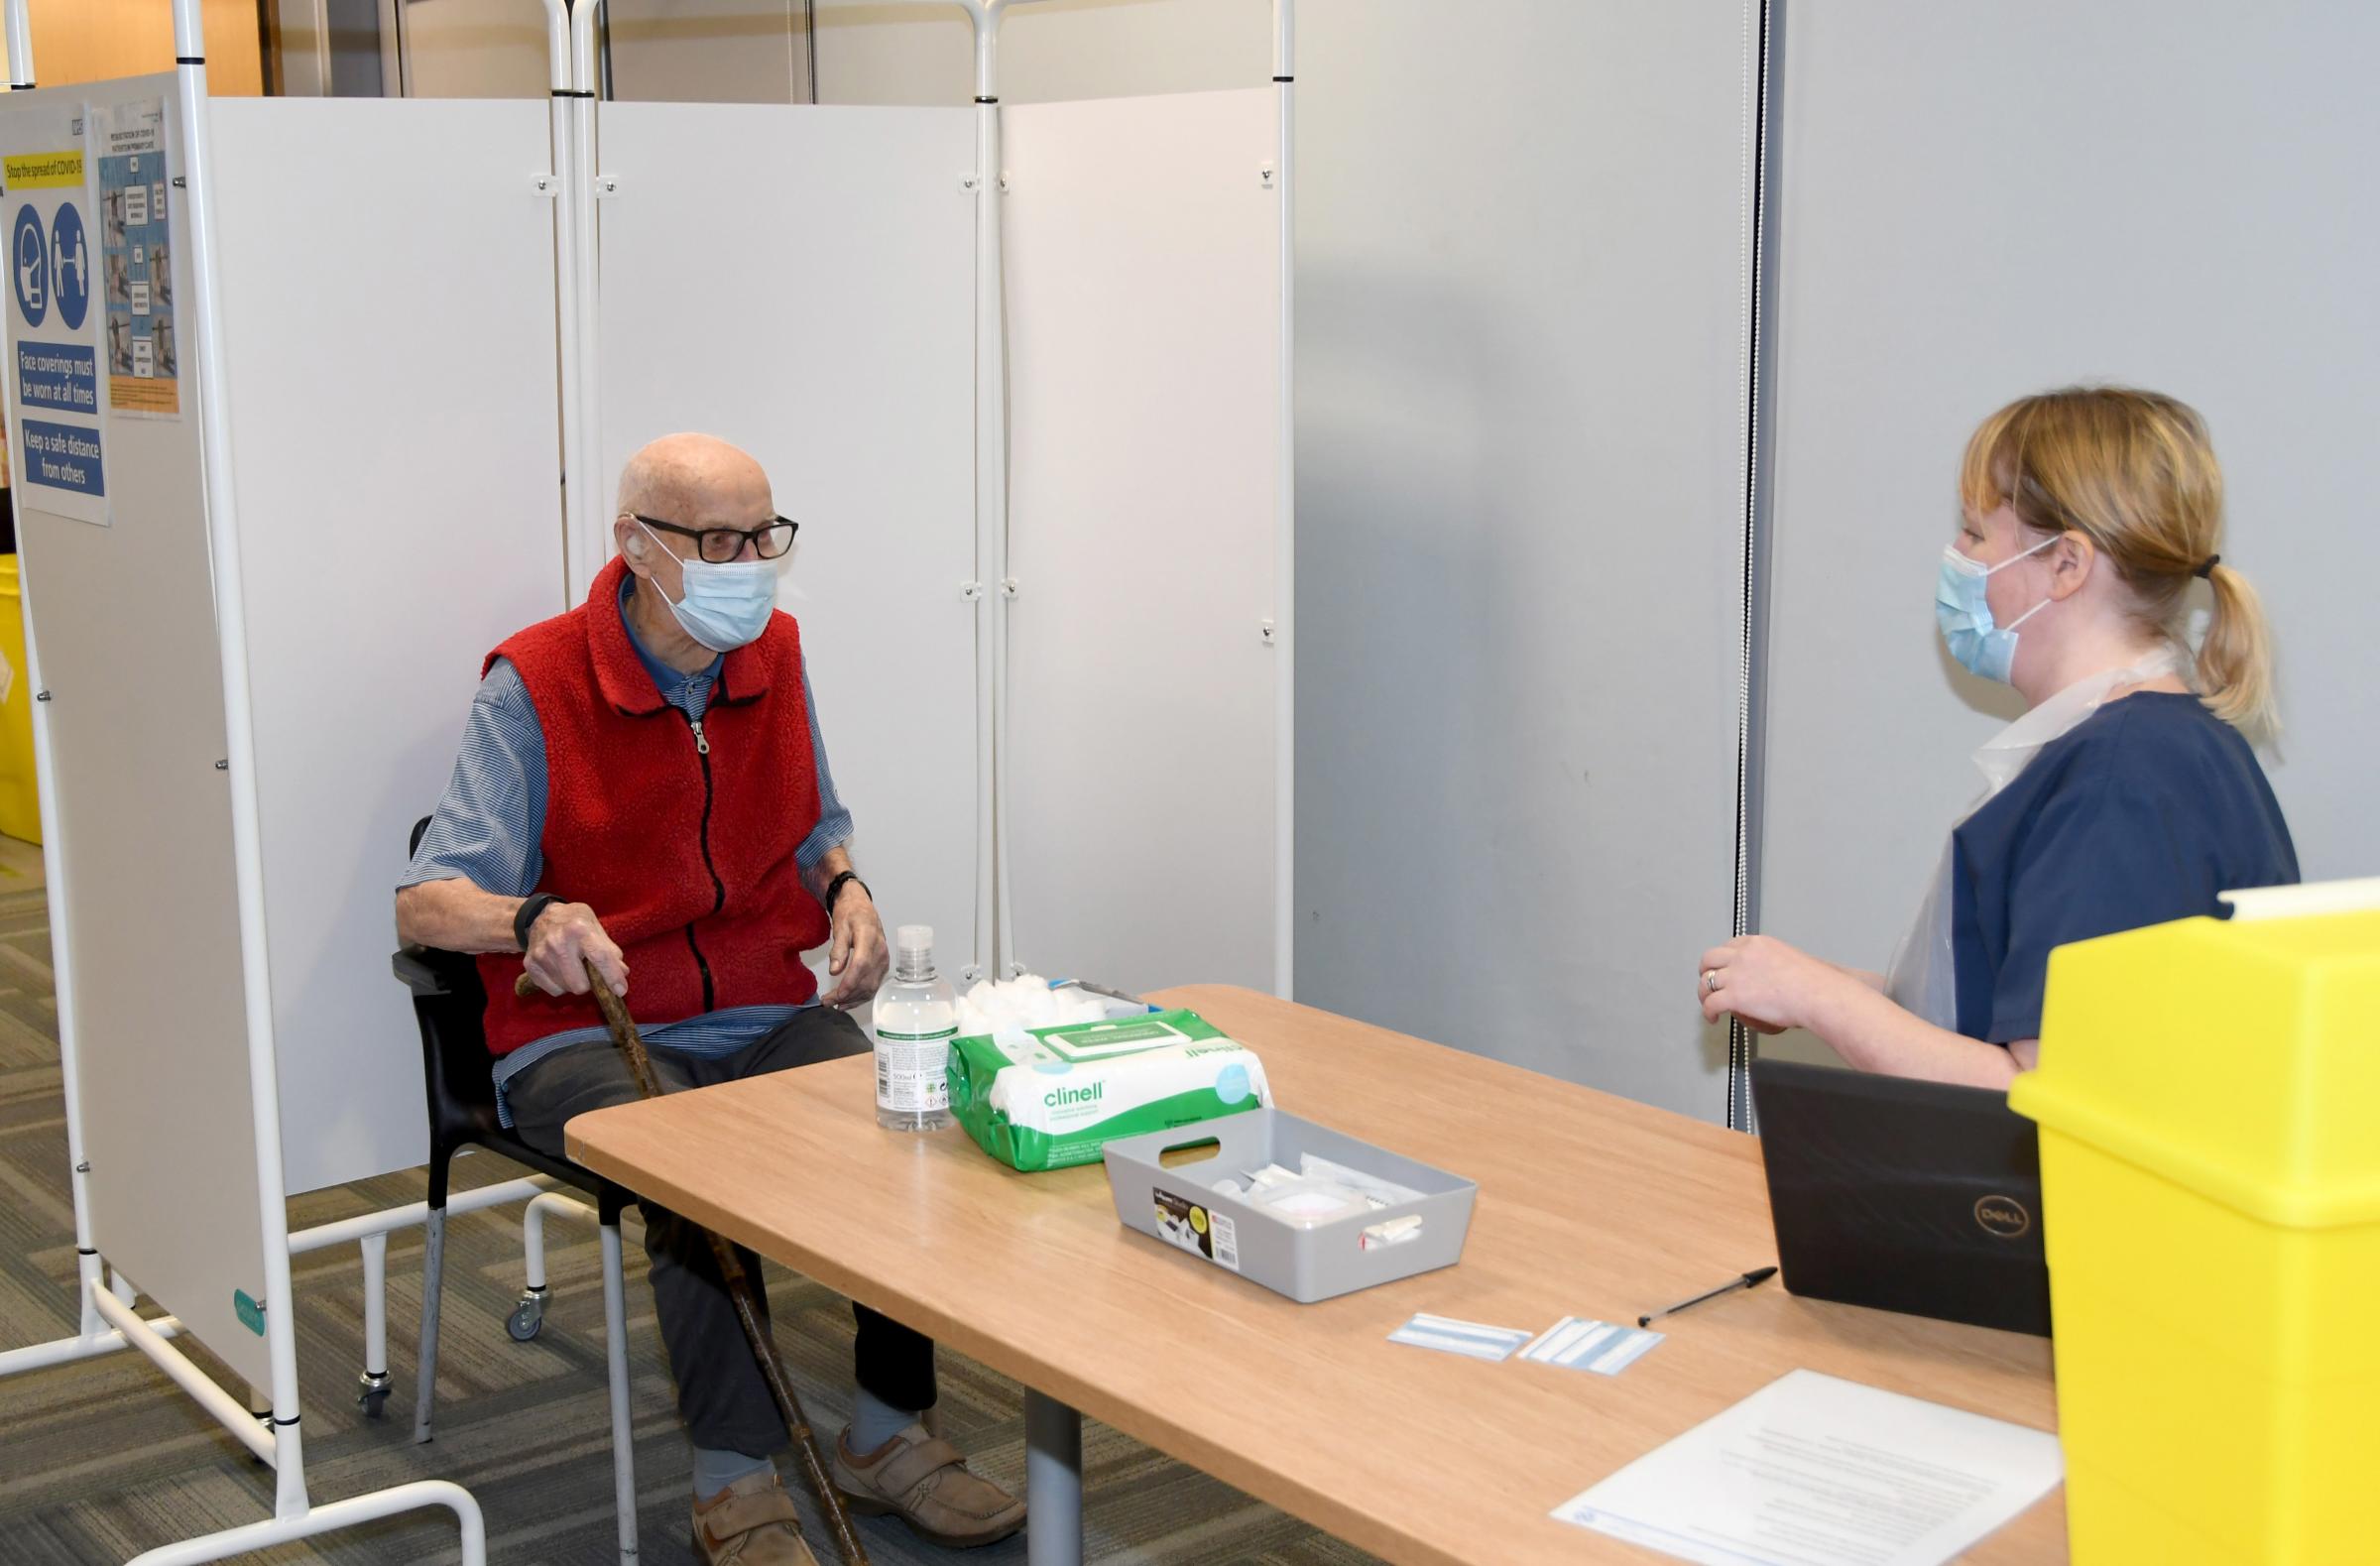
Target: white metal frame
277	1440
109	1321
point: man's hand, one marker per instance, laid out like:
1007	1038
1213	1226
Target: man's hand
565	937
856	954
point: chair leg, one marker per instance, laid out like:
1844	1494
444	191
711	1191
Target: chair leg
433	1267
372	1387
615	1344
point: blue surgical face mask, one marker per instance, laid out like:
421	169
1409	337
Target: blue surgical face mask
723	604
1962	608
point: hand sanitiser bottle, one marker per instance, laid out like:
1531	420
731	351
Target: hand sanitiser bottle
916	1016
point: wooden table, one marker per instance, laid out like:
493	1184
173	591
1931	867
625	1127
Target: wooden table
1589	1205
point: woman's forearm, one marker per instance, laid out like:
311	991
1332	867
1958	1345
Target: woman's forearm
1870	1032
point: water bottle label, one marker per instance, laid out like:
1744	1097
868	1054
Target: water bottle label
911	1072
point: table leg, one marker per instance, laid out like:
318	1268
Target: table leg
1054	1482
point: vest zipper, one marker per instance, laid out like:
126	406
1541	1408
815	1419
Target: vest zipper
702	750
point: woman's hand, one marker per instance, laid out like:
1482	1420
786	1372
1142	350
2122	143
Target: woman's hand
1769	985
1772	987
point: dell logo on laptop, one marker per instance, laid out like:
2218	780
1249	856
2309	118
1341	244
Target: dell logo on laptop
2002	1217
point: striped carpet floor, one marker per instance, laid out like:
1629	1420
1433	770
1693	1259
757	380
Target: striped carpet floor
101	1460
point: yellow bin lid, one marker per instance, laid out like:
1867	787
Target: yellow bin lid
2239	1058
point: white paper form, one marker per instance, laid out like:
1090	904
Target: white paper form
1813	1471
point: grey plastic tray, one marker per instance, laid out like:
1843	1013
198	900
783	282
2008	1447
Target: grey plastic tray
1305	1264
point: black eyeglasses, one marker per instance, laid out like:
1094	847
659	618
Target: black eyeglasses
719	545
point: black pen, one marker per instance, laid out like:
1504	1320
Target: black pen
1753	1279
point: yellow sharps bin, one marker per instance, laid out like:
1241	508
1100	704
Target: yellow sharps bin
2210	1107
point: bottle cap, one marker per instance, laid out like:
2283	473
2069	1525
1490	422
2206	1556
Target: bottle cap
913	951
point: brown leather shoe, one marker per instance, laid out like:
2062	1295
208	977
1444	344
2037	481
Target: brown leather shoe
751	1522
923	1481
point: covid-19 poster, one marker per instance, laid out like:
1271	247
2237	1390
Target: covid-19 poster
143	364
54	327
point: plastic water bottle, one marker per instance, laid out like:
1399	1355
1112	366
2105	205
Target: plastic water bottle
916	1016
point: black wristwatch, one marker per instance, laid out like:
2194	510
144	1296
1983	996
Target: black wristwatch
834	889
526	914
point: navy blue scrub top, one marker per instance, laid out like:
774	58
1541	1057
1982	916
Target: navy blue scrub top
2139	814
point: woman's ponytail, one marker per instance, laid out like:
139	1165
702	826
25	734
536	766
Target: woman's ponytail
2235	661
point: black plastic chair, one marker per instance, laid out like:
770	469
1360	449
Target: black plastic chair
450	1005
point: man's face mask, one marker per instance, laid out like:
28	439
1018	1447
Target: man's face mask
1962	608
723	605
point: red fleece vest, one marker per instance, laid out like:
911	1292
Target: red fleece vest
686	858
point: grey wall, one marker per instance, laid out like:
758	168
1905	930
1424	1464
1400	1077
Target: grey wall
1521	432
1985	201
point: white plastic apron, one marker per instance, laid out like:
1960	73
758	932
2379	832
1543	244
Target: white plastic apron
1923	977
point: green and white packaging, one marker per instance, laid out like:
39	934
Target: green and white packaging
1054	1096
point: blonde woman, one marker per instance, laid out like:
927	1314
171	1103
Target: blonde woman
2125	796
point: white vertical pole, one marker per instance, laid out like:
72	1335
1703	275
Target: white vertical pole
995	915
61	944
54	871
20	44
591	546
320	19
1284	521
231	631
569	192
375	1249
615	1354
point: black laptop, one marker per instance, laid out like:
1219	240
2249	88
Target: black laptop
1909	1196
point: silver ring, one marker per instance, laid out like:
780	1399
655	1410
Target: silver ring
1710	981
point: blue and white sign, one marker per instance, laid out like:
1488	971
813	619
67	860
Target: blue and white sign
62	457
70	266
28	265
61	376
55	367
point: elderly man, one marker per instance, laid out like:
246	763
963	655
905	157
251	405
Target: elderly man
642	786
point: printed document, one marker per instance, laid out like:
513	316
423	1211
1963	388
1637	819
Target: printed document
1813	1471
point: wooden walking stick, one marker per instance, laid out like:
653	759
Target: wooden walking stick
739	1289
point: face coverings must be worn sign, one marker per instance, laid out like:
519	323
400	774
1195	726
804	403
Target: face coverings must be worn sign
53	260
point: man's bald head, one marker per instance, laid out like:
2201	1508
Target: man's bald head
694	480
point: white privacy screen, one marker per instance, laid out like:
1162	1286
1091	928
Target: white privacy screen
146	909
392	372
2194	217
801	282
1143	282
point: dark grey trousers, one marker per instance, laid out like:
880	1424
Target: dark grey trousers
721	1394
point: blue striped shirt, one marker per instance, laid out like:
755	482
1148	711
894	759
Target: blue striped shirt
490	822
